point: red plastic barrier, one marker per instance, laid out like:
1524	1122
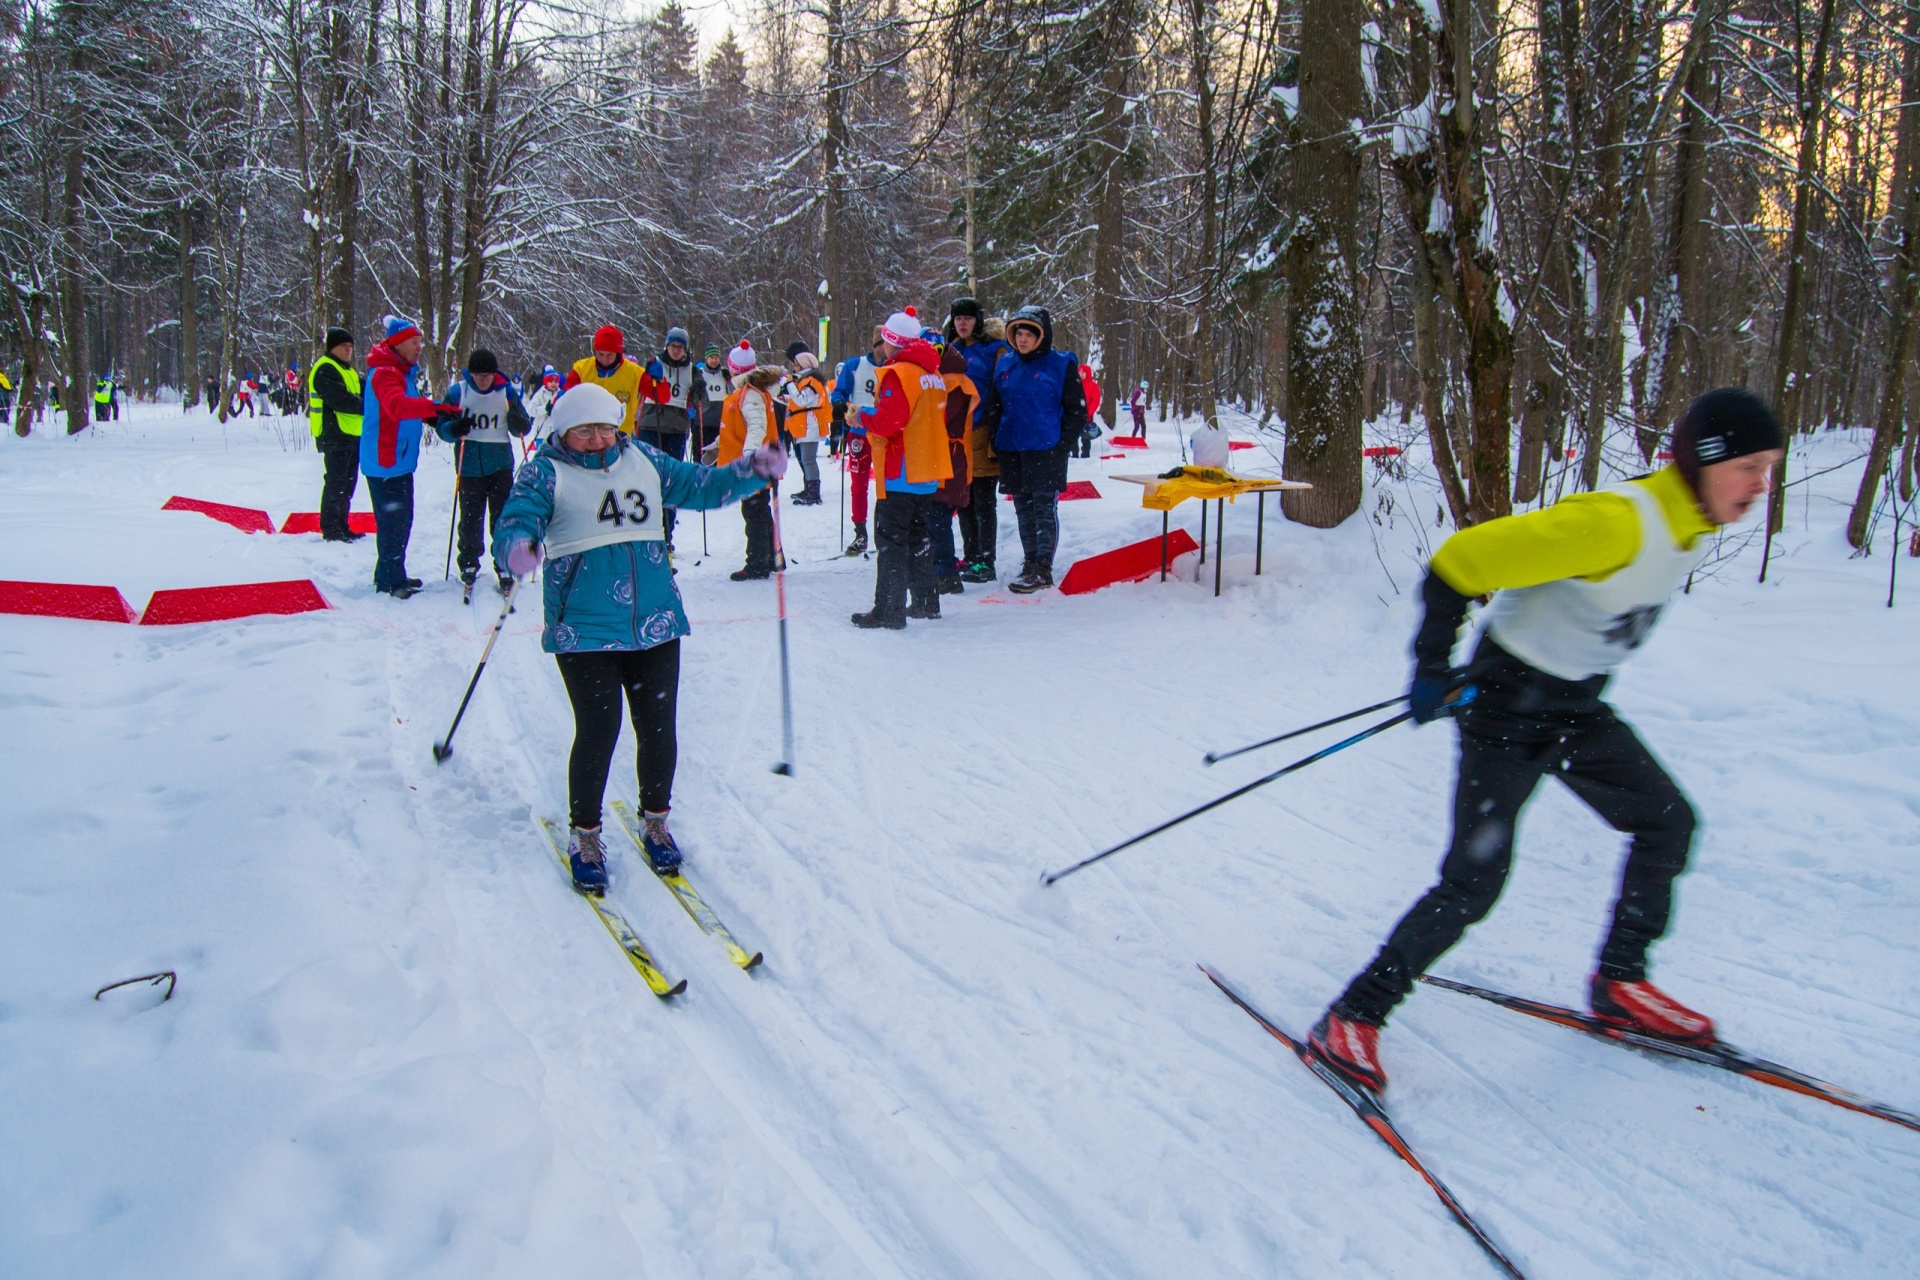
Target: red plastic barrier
1381	451
1238	444
245	600
1135	562
1108	457
245	519
309	522
65	600
1127	442
1079	489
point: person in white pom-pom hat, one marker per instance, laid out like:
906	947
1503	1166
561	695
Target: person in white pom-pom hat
746	425
907	429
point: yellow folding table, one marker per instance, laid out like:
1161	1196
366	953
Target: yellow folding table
1163	493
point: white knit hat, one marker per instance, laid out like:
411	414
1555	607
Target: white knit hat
901	328
585	403
741	359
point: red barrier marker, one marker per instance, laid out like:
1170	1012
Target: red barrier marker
1381	451
245	600
1127	442
245	519
1135	562
65	600
1238	444
309	522
1079	489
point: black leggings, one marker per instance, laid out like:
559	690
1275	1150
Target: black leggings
650	679
1506	746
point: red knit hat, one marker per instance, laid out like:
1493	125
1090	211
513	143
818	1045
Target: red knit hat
609	338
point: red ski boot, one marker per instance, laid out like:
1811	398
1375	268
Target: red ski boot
1351	1048
1643	1007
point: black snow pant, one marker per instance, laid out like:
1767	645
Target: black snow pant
903	536
674	445
1523	725
980	520
342	458
757	512
1038	515
481	498
650	681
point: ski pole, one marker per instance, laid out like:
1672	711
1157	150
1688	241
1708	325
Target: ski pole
444	748
453	516
1215	757
1051	876
785	767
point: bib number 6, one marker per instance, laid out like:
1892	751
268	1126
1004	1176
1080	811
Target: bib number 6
635	512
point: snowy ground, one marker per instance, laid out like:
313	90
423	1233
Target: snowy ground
402	1047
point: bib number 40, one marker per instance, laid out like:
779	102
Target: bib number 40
635	512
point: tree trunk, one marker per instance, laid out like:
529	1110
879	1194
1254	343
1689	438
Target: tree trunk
189	315
833	146
1323	320
1109	237
1680	361
1529	473
1891	421
76	398
1206	377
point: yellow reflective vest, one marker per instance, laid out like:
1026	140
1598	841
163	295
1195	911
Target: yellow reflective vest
349	423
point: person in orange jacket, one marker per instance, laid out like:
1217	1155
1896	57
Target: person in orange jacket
809	419
907	430
955	493
747	425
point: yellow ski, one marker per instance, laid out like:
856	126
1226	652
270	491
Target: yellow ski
689	897
616	924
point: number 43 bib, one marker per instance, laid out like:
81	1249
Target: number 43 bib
599	508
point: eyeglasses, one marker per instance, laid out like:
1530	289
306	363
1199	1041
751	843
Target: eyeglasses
596	429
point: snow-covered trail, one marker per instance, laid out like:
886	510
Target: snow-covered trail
403	1047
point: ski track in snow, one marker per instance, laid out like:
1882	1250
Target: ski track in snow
402	1047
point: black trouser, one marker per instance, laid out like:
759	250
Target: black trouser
393	526
650	680
903	534
757	511
1523	725
980	520
1084	448
342	458
674	445
1038	515
480	496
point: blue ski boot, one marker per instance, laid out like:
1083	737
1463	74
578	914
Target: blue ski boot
658	843
588	859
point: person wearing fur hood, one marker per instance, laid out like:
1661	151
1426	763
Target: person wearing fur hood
747	425
981	340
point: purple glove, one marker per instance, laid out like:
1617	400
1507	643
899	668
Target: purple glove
524	557
769	462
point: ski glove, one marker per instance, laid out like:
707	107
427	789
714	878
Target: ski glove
460	426
769	462
656	371
1431	697
524	557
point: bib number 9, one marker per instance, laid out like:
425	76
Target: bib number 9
635	512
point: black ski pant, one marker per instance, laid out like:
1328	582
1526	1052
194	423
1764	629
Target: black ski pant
1523	726
903	535
649	679
1038	515
674	445
980	520
481	498
757	512
342	458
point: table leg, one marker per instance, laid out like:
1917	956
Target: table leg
1260	535
1163	546
1203	531
1219	543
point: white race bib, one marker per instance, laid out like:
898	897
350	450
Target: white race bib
866	384
488	410
715	380
599	508
678	377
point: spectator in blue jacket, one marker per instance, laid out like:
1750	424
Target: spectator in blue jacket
594	500
981	342
1037	409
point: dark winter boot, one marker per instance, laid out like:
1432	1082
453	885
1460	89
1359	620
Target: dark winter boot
949	586
1351	1048
588	859
978	571
812	493
750	575
1641	1006
1036	578
872	621
858	547
658	843
924	609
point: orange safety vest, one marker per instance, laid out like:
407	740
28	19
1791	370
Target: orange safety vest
810	424
623	382
961	384
733	424
924	442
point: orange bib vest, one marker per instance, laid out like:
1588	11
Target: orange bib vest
733	424
923	445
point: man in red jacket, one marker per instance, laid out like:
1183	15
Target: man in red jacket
390	432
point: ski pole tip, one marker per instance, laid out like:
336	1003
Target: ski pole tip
784	769
1210	758
440	752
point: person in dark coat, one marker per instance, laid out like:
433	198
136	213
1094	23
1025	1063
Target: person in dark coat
1037	410
334	399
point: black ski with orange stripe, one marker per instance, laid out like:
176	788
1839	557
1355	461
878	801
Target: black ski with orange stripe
1724	1056
1374	1116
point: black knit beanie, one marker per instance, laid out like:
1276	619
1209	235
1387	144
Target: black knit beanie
1729	422
336	335
482	361
795	348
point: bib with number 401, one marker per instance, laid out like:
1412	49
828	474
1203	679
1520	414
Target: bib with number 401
599	508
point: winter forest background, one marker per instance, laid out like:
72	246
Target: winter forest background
1532	230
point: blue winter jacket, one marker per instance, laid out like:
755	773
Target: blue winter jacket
1031	392
981	355
621	596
